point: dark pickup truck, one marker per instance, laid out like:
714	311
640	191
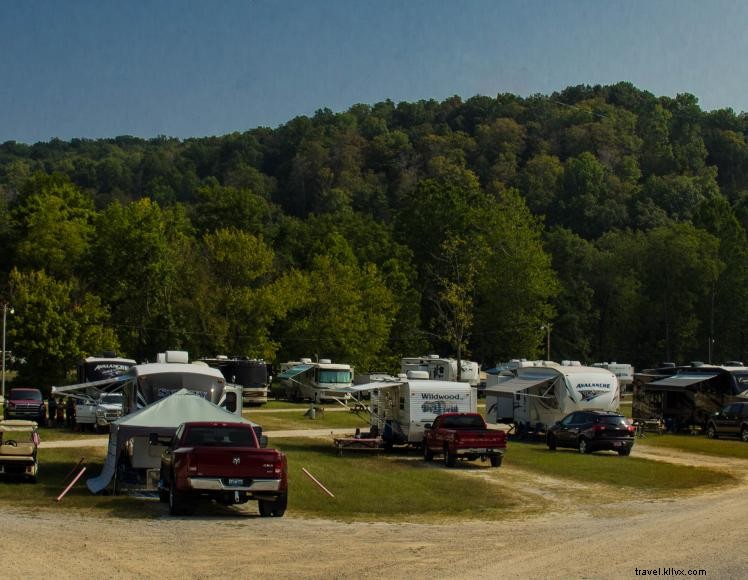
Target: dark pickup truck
223	462
463	436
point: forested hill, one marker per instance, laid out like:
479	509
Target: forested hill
459	227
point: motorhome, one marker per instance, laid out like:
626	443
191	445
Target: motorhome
252	375
144	384
316	381
443	369
533	395
402	406
683	397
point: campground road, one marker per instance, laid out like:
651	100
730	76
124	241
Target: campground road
603	539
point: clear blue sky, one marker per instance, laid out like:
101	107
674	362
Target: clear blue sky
101	68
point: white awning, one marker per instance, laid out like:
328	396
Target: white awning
679	381
369	386
518	384
294	371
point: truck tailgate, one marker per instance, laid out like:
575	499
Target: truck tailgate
234	462
481	439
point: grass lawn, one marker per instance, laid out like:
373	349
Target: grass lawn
285	420
700	444
381	487
608	468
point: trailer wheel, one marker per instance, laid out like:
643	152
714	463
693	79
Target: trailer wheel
449	458
428	455
496	460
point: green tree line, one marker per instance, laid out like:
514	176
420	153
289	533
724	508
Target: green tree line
466	227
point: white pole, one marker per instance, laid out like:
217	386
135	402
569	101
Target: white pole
5	316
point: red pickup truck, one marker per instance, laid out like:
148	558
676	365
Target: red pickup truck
463	436
224	462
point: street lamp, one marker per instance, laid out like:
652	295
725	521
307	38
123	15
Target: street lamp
6	309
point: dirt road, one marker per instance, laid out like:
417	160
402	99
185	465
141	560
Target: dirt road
578	539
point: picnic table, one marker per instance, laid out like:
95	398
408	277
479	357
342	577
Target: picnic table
353	443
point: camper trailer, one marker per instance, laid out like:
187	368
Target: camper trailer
623	372
316	381
401	407
443	369
686	396
533	395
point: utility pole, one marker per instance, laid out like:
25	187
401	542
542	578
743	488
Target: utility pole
5	318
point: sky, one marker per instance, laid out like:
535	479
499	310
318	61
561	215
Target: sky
103	68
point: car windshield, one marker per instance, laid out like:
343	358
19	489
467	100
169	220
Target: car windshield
220	437
29	394
112	399
613	420
462	422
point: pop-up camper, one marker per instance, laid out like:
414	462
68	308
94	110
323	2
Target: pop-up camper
535	394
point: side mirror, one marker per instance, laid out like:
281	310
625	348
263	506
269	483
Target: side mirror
263	441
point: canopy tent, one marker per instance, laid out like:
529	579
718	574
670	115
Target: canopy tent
518	384
295	371
678	382
162	417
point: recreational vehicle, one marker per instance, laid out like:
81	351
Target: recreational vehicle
103	366
623	372
316	381
686	396
401	407
535	394
252	375
443	369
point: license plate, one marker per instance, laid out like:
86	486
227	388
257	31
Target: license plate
477	450
617	444
236	482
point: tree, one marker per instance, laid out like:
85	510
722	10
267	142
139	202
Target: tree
54	326
54	225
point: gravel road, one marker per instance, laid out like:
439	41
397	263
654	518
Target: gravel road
590	532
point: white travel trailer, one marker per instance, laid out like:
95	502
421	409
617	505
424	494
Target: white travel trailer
443	369
536	394
316	381
400	407
624	372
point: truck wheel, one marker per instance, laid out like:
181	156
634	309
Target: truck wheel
449	458
273	509
624	452
496	460
178	505
428	455
711	431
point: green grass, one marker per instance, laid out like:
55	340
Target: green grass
700	444
65	434
380	487
54	467
273	422
607	468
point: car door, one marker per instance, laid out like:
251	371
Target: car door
725	420
566	434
